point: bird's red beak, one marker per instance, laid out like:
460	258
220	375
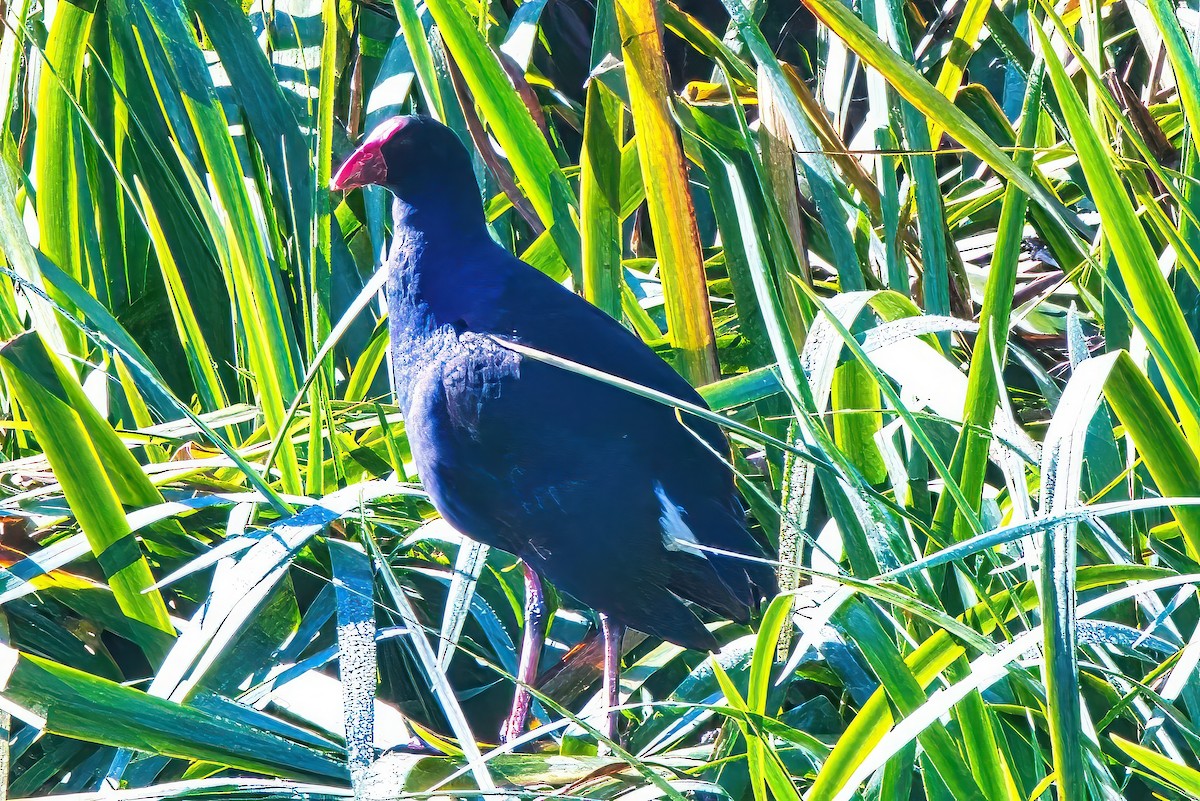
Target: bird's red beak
366	165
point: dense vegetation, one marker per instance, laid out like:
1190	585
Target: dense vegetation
937	268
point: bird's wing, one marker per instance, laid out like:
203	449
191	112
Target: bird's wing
532	310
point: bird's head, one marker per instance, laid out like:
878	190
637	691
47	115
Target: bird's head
423	164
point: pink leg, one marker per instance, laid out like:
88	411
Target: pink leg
613	632
532	640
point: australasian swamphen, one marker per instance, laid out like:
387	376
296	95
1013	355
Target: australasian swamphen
602	491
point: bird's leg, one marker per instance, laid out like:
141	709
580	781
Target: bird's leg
532	639
613	632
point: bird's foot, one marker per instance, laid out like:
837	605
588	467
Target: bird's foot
511	730
611	733
414	746
533	743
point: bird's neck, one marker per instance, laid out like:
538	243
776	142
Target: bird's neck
435	252
434	273
442	215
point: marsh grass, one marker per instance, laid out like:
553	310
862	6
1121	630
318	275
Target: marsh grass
935	268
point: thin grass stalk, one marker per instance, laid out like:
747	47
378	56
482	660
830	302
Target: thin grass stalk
57	179
971	451
1150	294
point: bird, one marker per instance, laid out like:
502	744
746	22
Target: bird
626	504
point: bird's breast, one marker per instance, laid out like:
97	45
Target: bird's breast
416	356
445	382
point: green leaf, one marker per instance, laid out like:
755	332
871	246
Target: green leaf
58	181
1170	770
74	704
599	198
97	474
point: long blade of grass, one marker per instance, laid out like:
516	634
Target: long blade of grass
422	56
357	666
672	216
982	386
962	47
75	704
1062	467
200	361
58	180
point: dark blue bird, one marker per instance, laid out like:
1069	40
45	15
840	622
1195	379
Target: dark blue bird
601	491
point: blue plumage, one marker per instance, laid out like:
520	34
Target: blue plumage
597	489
